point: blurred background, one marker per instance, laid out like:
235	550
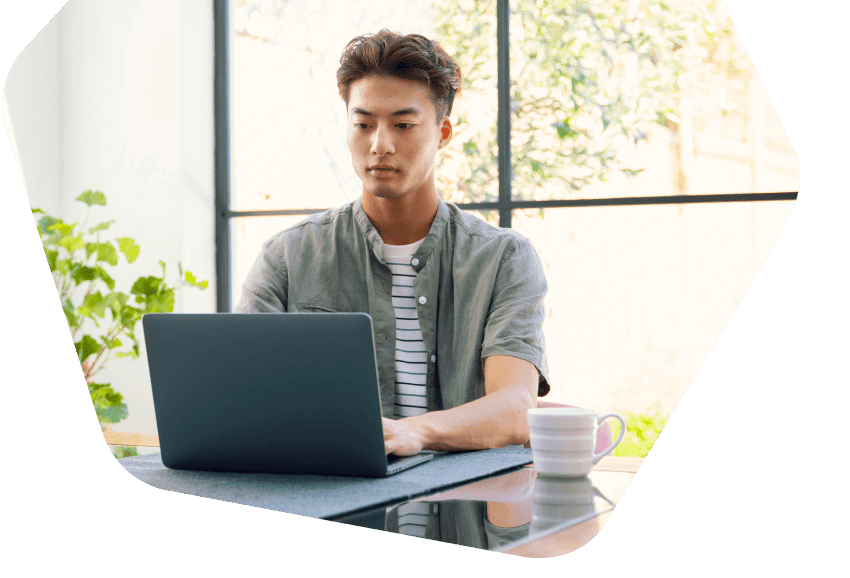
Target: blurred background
613	103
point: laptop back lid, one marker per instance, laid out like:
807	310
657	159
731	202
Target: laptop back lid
291	393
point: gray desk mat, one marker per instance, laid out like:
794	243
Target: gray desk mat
327	496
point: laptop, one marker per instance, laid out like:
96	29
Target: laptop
271	393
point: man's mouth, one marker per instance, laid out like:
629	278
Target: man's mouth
381	171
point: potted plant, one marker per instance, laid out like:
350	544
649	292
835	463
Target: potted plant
101	319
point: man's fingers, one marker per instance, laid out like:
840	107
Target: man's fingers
398	439
389	440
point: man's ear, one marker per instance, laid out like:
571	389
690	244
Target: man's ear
446	132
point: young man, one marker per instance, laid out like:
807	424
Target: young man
456	304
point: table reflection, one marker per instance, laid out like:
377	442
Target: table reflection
493	514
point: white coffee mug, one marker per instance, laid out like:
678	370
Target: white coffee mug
563	439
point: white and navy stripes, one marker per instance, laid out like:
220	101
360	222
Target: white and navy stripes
411	361
413	518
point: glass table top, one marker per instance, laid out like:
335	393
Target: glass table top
499	513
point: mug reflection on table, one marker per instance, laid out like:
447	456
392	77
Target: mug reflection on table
558	500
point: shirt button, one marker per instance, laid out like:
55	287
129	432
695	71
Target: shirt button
422	300
433	358
414	261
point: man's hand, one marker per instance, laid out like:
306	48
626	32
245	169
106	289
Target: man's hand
401	439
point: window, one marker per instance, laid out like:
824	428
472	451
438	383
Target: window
646	162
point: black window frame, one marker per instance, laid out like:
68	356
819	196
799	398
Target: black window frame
505	205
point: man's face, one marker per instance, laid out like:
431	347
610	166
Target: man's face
393	136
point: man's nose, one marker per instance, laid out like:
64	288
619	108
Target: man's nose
382	142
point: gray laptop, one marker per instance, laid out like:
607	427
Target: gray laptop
274	393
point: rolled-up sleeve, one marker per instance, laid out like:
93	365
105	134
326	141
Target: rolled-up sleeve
514	323
265	288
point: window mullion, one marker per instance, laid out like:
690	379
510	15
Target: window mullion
223	258
503	126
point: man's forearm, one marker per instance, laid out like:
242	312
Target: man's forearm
493	421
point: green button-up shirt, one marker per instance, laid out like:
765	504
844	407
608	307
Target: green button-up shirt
479	292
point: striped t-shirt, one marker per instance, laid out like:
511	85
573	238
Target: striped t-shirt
411	363
413	518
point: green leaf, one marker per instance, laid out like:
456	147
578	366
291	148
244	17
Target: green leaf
108	403
51	255
92	198
34	211
80	273
113	414
93	305
159	303
106	252
63	265
70	314
115	301
167	302
86	347
129	316
60	227
104	276
44	225
129	247
145	286
101	226
193	282
71	243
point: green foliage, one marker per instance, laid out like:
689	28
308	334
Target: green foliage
93	198
77	257
642	429
124	451
588	79
108	404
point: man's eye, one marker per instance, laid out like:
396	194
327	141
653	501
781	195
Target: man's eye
405	125
360	125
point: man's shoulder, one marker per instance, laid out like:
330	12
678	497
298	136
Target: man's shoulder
470	227
315	227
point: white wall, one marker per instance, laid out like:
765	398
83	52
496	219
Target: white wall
118	97
32	91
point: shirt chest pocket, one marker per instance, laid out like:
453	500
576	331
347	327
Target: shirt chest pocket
318	307
321	287
348	303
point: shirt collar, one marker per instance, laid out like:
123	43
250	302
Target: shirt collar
432	240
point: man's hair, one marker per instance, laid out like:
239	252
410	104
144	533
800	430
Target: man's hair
410	57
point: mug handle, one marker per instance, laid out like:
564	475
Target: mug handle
599	456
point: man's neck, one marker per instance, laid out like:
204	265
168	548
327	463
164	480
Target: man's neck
401	221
